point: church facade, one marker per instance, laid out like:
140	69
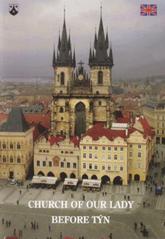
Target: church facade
79	99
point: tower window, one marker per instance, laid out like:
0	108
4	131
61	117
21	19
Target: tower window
100	78
62	78
61	109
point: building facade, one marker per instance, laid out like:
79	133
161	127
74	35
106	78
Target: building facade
57	156
155	113
16	146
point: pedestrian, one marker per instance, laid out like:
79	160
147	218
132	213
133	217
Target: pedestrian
135	226
3	221
49	228
14	232
128	197
138	189
124	197
20	192
110	236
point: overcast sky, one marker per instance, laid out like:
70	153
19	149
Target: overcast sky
27	39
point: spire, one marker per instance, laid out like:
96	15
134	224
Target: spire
54	59
59	42
101	45
107	40
111	55
64	49
74	58
69	43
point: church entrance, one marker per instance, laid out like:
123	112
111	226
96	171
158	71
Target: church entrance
80	121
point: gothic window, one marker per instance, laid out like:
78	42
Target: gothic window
18	159
62	78
61	109
80	122
11	159
100	78
4	159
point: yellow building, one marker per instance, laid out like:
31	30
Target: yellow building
104	155
155	113
16	146
117	155
141	144
57	157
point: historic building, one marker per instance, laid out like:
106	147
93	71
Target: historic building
16	146
117	155
81	100
57	156
155	113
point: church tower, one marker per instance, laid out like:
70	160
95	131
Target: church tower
101	62
63	63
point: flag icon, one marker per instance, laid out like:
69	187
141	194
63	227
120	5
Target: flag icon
148	9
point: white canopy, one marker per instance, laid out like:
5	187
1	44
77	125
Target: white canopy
71	181
91	183
44	180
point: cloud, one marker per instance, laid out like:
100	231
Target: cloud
27	39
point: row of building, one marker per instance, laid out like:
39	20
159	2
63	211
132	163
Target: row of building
117	155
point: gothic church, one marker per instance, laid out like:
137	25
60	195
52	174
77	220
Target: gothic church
81	100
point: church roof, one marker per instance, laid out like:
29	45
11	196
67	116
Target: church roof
65	56
99	56
16	122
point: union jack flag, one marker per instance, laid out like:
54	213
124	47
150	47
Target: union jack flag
148	10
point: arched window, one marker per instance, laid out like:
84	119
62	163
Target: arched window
100	78
11	159
18	159
62	78
4	146
61	109
18	146
11	145
4	159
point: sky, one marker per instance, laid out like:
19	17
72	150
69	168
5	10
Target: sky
27	39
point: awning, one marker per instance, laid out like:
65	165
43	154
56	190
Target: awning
70	182
44	180
91	183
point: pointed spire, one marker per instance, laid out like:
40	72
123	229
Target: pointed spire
54	58
100	55
69	43
95	40
107	40
64	49
74	58
111	55
59	42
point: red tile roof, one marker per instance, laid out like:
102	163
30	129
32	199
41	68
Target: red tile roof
43	119
3	117
55	139
148	130
75	140
98	131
